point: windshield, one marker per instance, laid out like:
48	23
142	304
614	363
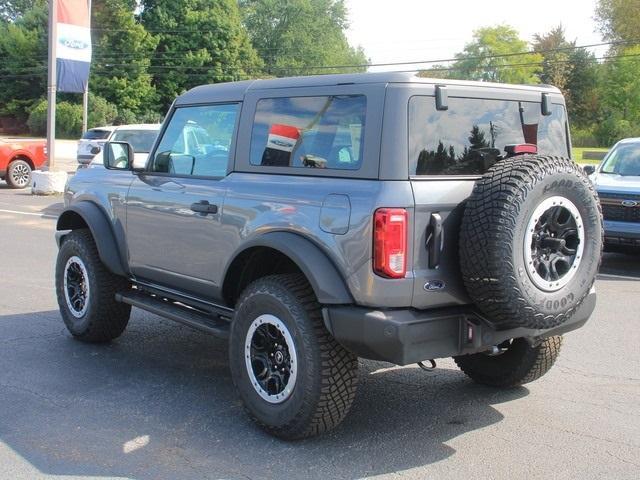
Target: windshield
96	134
140	140
623	160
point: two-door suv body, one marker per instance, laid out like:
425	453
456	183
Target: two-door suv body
315	220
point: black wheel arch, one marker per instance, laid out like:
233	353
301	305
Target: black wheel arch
24	158
327	283
86	214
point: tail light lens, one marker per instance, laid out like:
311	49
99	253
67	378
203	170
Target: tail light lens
390	242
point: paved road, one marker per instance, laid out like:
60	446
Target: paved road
158	403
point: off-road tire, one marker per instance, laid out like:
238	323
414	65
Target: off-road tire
105	318
521	363
18	164
492	241
327	373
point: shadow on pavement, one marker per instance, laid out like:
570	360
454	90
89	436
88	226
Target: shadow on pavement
55	209
622	264
159	403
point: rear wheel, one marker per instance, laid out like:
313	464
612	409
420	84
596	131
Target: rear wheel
514	363
18	174
86	291
294	379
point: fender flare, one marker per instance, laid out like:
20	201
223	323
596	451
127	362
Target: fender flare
327	283
101	231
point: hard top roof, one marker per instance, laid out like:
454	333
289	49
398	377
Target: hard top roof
235	91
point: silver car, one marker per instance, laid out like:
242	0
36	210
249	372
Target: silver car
141	137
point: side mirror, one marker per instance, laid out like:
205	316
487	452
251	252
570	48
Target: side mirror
118	156
95	150
589	169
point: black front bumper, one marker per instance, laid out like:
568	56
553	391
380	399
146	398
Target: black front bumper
408	336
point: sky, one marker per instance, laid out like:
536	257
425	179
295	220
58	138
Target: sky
414	30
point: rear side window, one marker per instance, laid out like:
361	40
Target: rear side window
309	132
96	134
471	135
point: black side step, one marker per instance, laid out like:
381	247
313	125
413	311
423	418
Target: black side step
182	314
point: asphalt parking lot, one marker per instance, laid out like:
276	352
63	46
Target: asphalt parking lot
159	403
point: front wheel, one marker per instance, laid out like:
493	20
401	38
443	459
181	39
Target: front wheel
514	363
86	291
294	379
18	174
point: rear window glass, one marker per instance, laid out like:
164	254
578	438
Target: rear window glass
471	135
309	132
96	134
140	140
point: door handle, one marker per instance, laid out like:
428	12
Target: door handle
204	207
435	240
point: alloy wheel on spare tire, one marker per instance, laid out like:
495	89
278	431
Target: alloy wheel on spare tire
18	174
294	379
531	241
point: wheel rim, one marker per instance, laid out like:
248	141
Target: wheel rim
554	243
20	174
76	286
271	359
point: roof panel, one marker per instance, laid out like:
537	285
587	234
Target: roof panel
234	91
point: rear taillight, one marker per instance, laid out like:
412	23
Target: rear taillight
390	242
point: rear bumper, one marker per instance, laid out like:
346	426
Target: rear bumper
409	336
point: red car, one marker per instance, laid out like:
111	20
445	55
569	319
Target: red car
18	158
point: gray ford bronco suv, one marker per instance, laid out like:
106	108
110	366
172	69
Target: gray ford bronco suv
312	221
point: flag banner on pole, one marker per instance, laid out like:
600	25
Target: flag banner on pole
73	45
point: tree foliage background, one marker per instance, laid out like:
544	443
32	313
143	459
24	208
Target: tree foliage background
146	52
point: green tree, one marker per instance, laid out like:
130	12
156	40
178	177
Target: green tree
582	88
619	20
556	54
295	37
122	56
11	10
200	41
622	83
23	61
498	54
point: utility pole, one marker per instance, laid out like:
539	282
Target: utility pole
51	84
85	95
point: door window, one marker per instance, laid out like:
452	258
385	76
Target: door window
197	141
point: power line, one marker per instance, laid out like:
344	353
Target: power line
179	54
243	74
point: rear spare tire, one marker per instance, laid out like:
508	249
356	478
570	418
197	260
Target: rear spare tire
531	241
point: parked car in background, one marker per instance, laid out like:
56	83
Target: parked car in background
140	137
18	158
617	180
90	145
92	138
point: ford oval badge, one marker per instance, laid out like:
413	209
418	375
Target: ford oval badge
434	285
629	203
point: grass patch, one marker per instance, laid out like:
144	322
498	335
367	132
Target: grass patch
578	151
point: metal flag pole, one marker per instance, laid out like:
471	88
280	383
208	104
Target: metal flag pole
51	84
85	95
